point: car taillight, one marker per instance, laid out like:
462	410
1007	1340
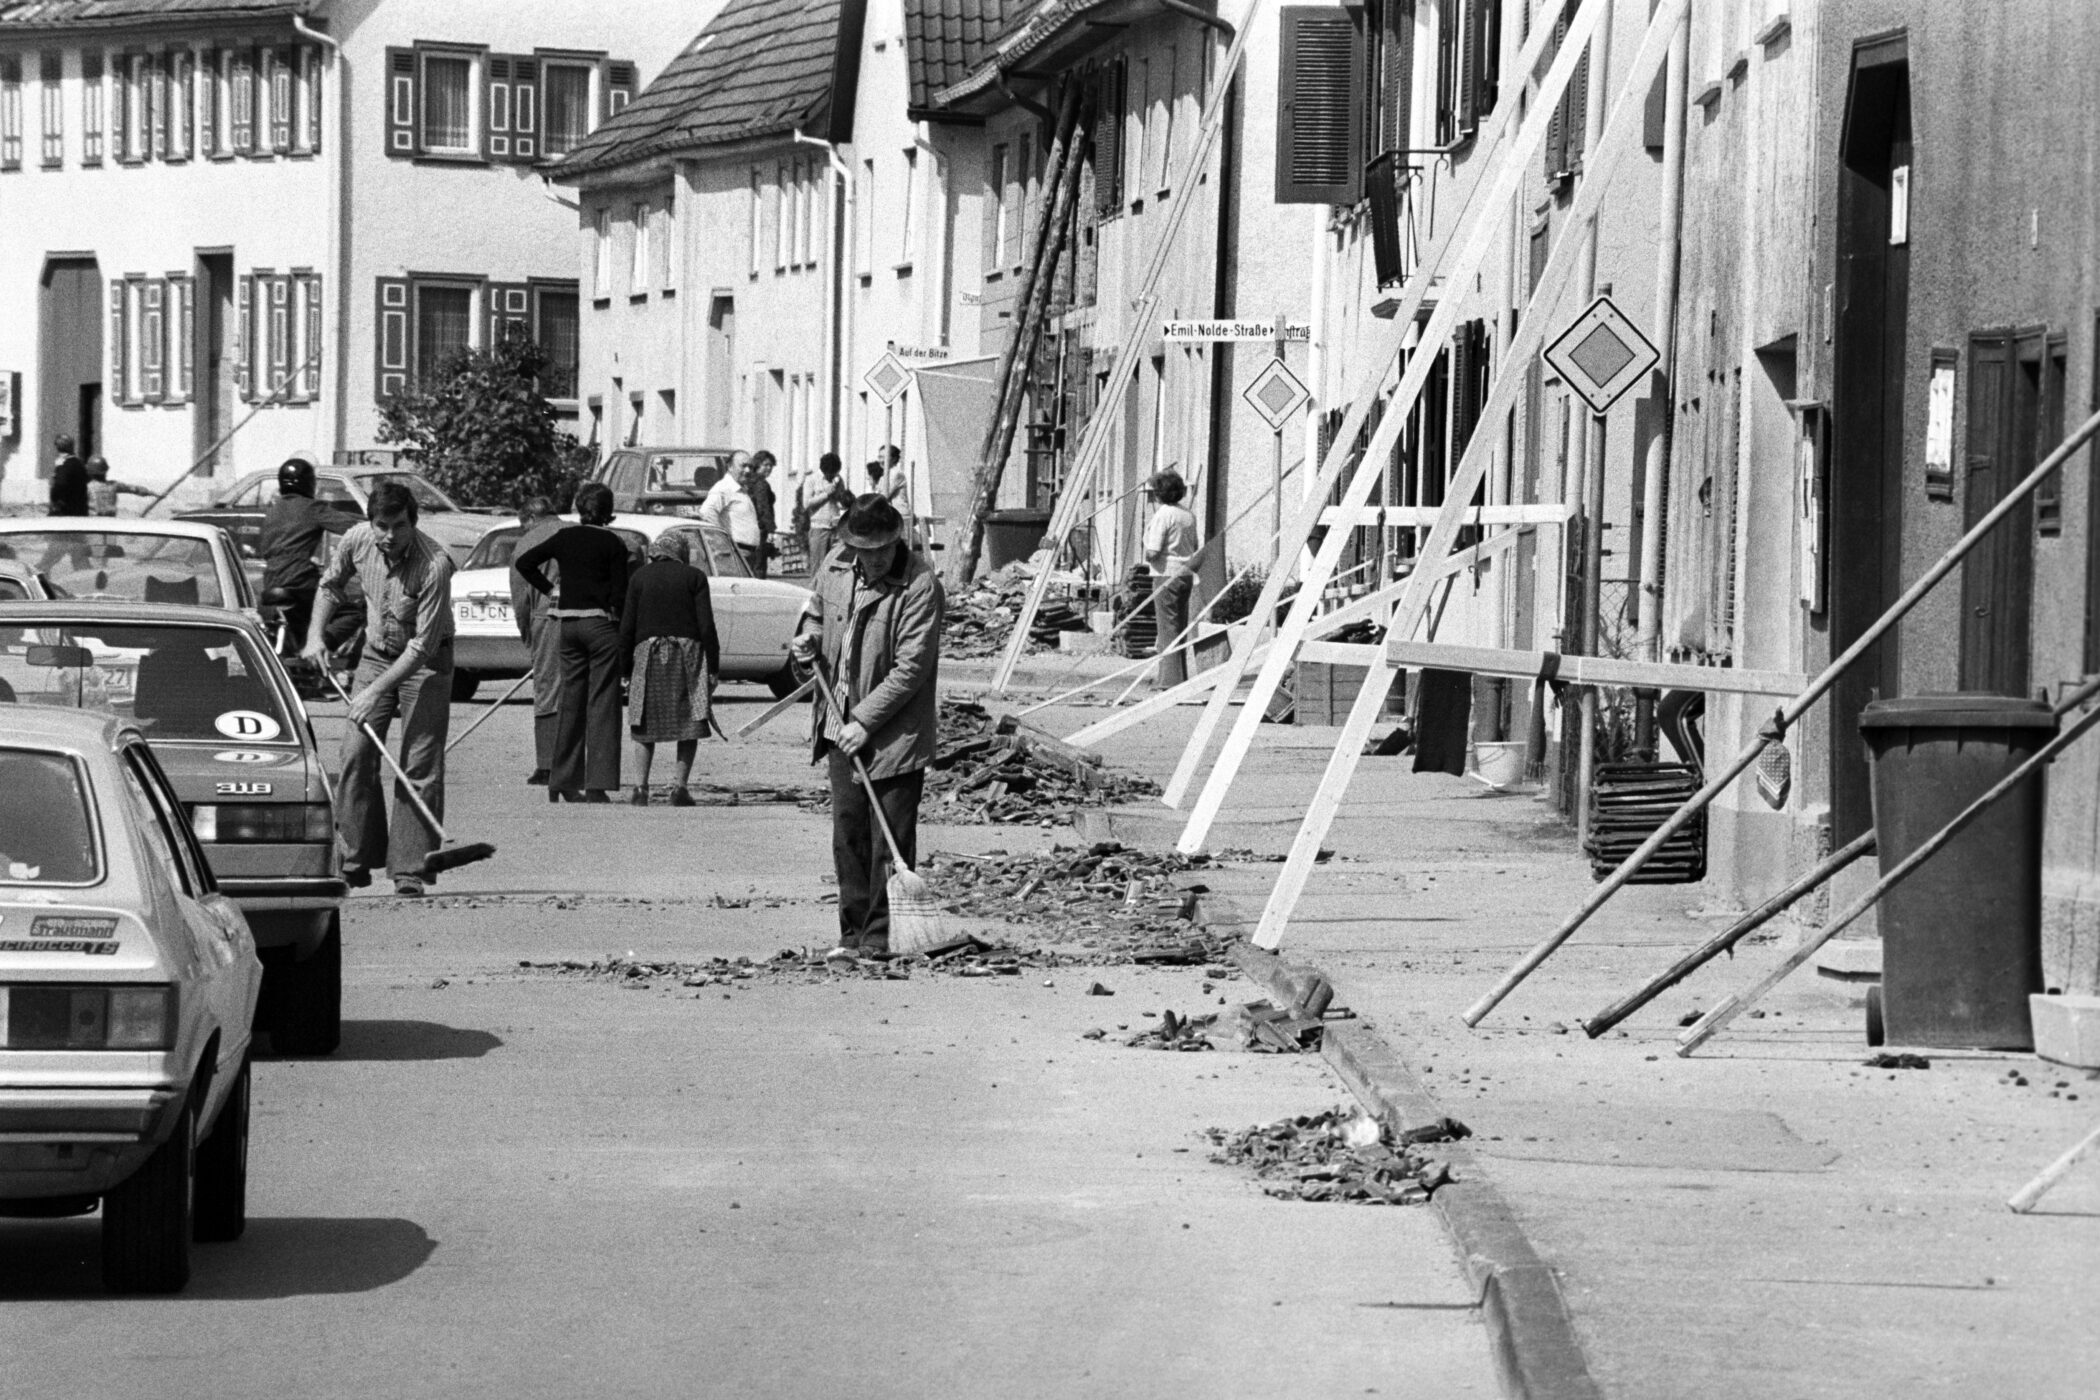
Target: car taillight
43	1017
235	823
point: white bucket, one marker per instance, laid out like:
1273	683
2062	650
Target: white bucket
1499	763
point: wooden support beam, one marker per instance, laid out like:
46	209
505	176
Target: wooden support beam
1422	517
1596	670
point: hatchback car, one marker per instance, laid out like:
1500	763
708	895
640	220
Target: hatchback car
755	617
240	508
127	986
153	561
662	480
215	703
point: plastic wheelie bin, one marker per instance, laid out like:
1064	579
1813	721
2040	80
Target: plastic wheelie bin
1961	936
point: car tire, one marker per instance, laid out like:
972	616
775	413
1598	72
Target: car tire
782	682
147	1219
464	684
220	1203
308	1017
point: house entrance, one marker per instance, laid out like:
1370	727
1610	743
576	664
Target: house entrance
69	359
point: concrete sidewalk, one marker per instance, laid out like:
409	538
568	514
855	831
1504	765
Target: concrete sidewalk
1770	1219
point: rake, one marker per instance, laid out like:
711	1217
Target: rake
915	915
448	856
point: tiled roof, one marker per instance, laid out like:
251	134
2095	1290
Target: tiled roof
1029	26
67	14
760	68
947	38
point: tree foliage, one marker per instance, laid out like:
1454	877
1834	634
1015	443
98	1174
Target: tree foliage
484	432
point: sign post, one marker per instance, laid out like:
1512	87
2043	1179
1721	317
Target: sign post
1276	394
887	379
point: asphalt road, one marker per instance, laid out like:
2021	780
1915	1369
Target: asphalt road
515	1183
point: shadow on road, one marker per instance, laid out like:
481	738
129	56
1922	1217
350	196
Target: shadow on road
412	1040
278	1257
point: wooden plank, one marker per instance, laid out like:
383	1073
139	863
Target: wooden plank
1149	706
1422	517
1597	670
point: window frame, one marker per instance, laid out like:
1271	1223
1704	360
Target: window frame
12	139
94	102
601	255
997	178
418	286
470	148
639	213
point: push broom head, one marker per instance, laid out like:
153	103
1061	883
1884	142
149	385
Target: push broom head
915	916
453	857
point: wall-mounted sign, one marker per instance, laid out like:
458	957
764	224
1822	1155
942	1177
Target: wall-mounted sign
920	354
1233	331
10	404
1939	427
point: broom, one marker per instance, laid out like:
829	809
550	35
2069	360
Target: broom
447	856
915	916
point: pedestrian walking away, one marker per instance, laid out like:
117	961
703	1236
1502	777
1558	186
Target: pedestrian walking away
875	619
667	635
292	533
102	493
593	589
760	489
1170	552
405	673
529	609
69	479
822	502
730	509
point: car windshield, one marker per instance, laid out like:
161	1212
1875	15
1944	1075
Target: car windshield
47	836
205	684
497	549
428	497
682	471
113	564
717	555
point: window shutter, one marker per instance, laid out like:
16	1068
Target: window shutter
525	110
280	61
117	341
2049	496
182	329
157	106
153	339
1469	58
243	350
309	373
401	103
1319	107
1108	138
208	106
1577	102
509	311
619	87
244	103
1557	123
390	371
310	109
495	132
1396	101
1655	115
182	104
280	332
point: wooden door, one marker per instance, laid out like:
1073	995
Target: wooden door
1997	578
70	371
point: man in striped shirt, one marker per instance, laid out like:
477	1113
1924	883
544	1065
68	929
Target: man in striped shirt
406	670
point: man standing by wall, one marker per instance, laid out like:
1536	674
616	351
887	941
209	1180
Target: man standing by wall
760	488
1170	551
875	619
69	479
730	509
528	609
406	671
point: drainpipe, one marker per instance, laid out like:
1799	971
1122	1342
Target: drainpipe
1589	445
1668	248
332	403
835	329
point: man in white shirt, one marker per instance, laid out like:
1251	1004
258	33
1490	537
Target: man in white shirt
729	508
1170	552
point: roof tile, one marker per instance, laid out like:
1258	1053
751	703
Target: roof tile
948	38
56	14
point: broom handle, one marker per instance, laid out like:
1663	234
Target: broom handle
386	756
838	715
489	713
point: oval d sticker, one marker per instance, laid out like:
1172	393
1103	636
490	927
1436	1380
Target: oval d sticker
246	724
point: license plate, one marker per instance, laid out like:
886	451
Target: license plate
484	612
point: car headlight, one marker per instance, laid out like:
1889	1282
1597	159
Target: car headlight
47	1017
256	823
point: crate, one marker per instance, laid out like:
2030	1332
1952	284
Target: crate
1327	690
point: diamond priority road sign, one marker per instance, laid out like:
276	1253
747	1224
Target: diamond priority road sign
887	377
1276	394
1602	355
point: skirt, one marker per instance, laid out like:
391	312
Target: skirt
668	697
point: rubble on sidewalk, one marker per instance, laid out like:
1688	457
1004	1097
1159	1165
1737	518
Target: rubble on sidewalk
1104	898
980	618
1339	1155
1256	1026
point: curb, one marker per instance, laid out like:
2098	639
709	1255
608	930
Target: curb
1537	1355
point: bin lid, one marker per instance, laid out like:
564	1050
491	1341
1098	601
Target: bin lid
1018	516
1958	710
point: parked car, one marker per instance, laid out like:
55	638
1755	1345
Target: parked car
207	692
755	616
154	561
17	582
662	480
127	985
240	508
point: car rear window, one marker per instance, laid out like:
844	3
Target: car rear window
682	471
205	684
496	549
47	836
111	564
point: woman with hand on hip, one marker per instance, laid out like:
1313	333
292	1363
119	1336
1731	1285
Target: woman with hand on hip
594	569
667	635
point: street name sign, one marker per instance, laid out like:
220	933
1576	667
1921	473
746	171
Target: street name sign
1602	355
1276	394
1232	331
887	378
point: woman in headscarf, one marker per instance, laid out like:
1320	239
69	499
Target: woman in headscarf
594	569
667	635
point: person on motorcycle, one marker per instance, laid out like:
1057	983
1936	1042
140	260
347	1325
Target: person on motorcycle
291	539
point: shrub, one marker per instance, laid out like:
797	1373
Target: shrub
483	430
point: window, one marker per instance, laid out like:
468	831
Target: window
666	241
1469	61
808	242
10	112
444	325
306	135
566	92
178	119
755	236
1167	98
864	221
638	249
555	329
907	217
54	111
1319	107
601	262
783	218
239	67
997	214
1390	90
1565	132
1141	164
1025	190
91	109
447	117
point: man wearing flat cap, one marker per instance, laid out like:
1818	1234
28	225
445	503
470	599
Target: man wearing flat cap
875	620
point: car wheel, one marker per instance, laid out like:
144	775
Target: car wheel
308	1019
464	684
221	1201
782	683
146	1220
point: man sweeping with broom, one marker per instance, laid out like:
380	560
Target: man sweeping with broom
872	632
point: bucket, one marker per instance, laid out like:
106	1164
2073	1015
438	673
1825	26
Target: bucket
1499	762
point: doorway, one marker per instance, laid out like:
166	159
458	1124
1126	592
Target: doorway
211	355
2015	415
718	400
70	360
1866	476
